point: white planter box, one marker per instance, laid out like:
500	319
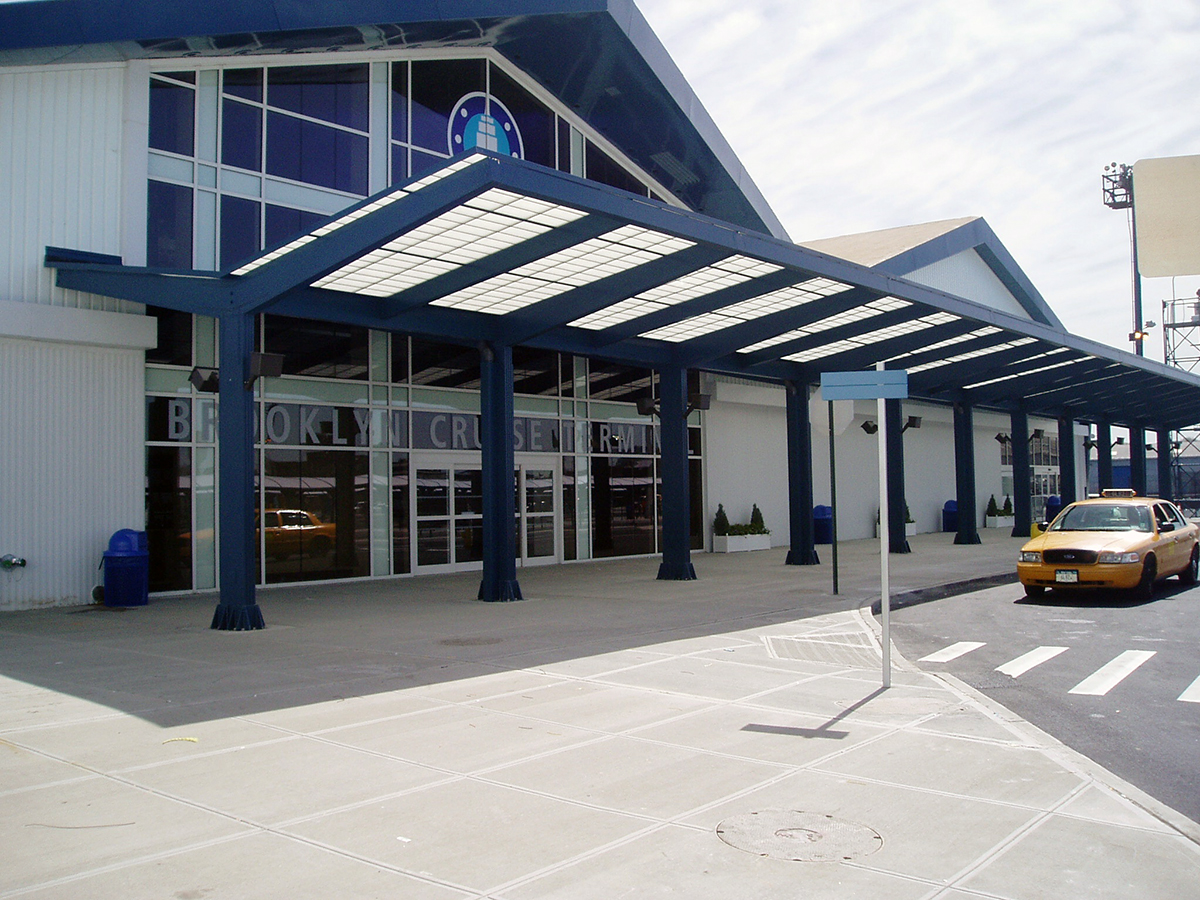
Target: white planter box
910	528
732	543
999	521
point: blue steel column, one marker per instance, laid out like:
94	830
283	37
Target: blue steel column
1066	459
1104	474
964	473
237	609
673	470
803	550
1137	460
897	540
1022	486
1165	488
499	580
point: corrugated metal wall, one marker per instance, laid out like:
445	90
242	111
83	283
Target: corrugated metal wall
60	176
71	465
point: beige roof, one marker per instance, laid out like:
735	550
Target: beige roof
870	248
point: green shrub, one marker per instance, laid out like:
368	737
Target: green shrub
992	508
1007	509
757	525
721	521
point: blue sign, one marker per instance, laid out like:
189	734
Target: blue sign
871	384
484	122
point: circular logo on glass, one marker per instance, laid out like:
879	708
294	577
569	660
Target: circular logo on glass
484	122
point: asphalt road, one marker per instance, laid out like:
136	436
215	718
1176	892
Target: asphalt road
1136	726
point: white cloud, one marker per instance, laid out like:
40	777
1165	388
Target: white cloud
865	114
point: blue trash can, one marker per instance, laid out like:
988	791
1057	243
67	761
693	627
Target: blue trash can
1053	507
127	569
822	524
950	516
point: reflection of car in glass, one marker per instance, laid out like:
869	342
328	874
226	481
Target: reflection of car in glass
1116	541
288	532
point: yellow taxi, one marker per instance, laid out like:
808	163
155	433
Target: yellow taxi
1118	541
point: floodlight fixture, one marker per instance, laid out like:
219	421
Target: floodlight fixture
869	427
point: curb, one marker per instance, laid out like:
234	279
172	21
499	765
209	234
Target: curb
941	591
1043	740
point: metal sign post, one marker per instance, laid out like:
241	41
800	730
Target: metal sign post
879	385
833	501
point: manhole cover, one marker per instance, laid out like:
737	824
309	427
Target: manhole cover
470	641
798	835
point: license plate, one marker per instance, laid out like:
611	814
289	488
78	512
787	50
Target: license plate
1067	576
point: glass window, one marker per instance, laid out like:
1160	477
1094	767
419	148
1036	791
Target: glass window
400	102
318	349
169	226
612	381
284	223
337	94
321	498
169	517
437	86
444	365
316	154
172	117
399	357
622	506
423	163
604	170
399	163
244	83
535	371
535	122
564	146
239	230
174	337
401	563
241	135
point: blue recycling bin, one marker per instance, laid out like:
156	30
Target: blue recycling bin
127	569
950	515
1053	507
822	524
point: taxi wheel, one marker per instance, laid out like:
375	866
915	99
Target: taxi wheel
1145	587
1190	575
1034	590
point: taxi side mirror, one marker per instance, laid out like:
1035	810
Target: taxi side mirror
1166	526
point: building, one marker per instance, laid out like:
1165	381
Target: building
556	231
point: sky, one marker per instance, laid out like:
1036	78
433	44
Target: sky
856	115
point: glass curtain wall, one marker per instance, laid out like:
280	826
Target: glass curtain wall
245	157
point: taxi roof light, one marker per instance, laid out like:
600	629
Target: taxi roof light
1118	492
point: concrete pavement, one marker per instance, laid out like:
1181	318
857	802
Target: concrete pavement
612	736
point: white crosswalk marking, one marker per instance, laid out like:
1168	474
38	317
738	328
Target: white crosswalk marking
1111	673
1192	694
1022	664
954	651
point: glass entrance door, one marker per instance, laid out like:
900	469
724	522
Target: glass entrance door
447	513
537	513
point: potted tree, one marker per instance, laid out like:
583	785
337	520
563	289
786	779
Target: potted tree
997	517
752	535
910	525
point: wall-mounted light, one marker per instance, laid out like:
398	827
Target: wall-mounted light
264	365
648	406
1003	438
206	381
1119	440
913	422
1038	434
869	427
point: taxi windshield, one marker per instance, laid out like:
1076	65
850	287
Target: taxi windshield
1104	517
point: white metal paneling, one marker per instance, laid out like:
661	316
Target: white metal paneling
966	275
71	464
60	175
